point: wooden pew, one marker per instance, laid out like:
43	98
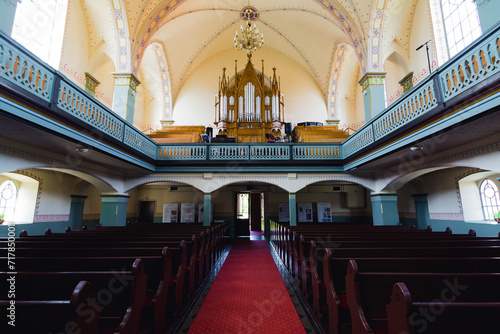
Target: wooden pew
69	315
157	269
335	270
368	293
405	316
120	294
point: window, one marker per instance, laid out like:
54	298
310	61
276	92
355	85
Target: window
8	199
461	22
490	199
39	26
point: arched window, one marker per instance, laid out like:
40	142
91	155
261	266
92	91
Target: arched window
8	199
461	22
39	26
490	199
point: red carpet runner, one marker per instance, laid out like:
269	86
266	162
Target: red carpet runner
248	296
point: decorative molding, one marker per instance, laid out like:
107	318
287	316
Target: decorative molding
468	172
372	79
50	218
375	36
335	79
447	216
29	173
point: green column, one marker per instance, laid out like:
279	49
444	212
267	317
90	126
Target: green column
8	10
207	208
124	95
373	84
76	212
488	13
114	210
385	209
292	207
421	210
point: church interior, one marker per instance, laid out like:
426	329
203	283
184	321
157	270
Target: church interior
254	120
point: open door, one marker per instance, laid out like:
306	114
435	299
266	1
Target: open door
255	212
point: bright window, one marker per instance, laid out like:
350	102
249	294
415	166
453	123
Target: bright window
461	22
8	199
490	199
39	27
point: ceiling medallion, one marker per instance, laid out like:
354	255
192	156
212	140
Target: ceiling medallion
249	39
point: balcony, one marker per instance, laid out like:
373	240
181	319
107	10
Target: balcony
465	89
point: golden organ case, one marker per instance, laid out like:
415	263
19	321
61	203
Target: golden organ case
249	105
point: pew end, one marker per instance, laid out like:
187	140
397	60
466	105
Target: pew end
398	309
358	319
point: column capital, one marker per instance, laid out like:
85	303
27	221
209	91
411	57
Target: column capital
78	196
407	82
115	196
372	79
420	195
91	83
126	79
383	194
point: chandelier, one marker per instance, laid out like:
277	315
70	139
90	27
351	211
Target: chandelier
249	39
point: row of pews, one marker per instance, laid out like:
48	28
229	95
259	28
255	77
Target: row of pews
134	279
392	279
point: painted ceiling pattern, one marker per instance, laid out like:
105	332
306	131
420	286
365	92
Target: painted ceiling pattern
193	31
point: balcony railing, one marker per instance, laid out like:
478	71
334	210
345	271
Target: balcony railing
25	73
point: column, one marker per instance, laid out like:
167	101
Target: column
373	84
76	212
207	209
385	209
124	95
292	207
488	13
421	210
8	10
114	210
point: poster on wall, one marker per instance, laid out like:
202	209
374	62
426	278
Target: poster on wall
324	212
284	213
305	213
188	212
170	212
201	210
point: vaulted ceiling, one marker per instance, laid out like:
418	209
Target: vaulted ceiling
193	31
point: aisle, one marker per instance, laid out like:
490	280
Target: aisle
248	296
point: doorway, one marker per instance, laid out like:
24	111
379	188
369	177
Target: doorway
146	212
241	227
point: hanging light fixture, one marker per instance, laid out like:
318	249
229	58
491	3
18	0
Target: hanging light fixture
249	39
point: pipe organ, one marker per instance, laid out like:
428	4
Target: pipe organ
249	105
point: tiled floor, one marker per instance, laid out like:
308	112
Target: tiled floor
307	320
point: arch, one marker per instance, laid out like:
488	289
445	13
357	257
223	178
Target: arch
335	79
397	67
101	56
376	34
163	71
99	183
393	182
123	59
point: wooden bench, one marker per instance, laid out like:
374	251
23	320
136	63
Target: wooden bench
119	295
406	316
66	315
368	293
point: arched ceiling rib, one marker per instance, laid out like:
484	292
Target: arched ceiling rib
194	31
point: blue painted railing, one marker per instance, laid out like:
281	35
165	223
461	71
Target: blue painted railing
478	62
25	70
